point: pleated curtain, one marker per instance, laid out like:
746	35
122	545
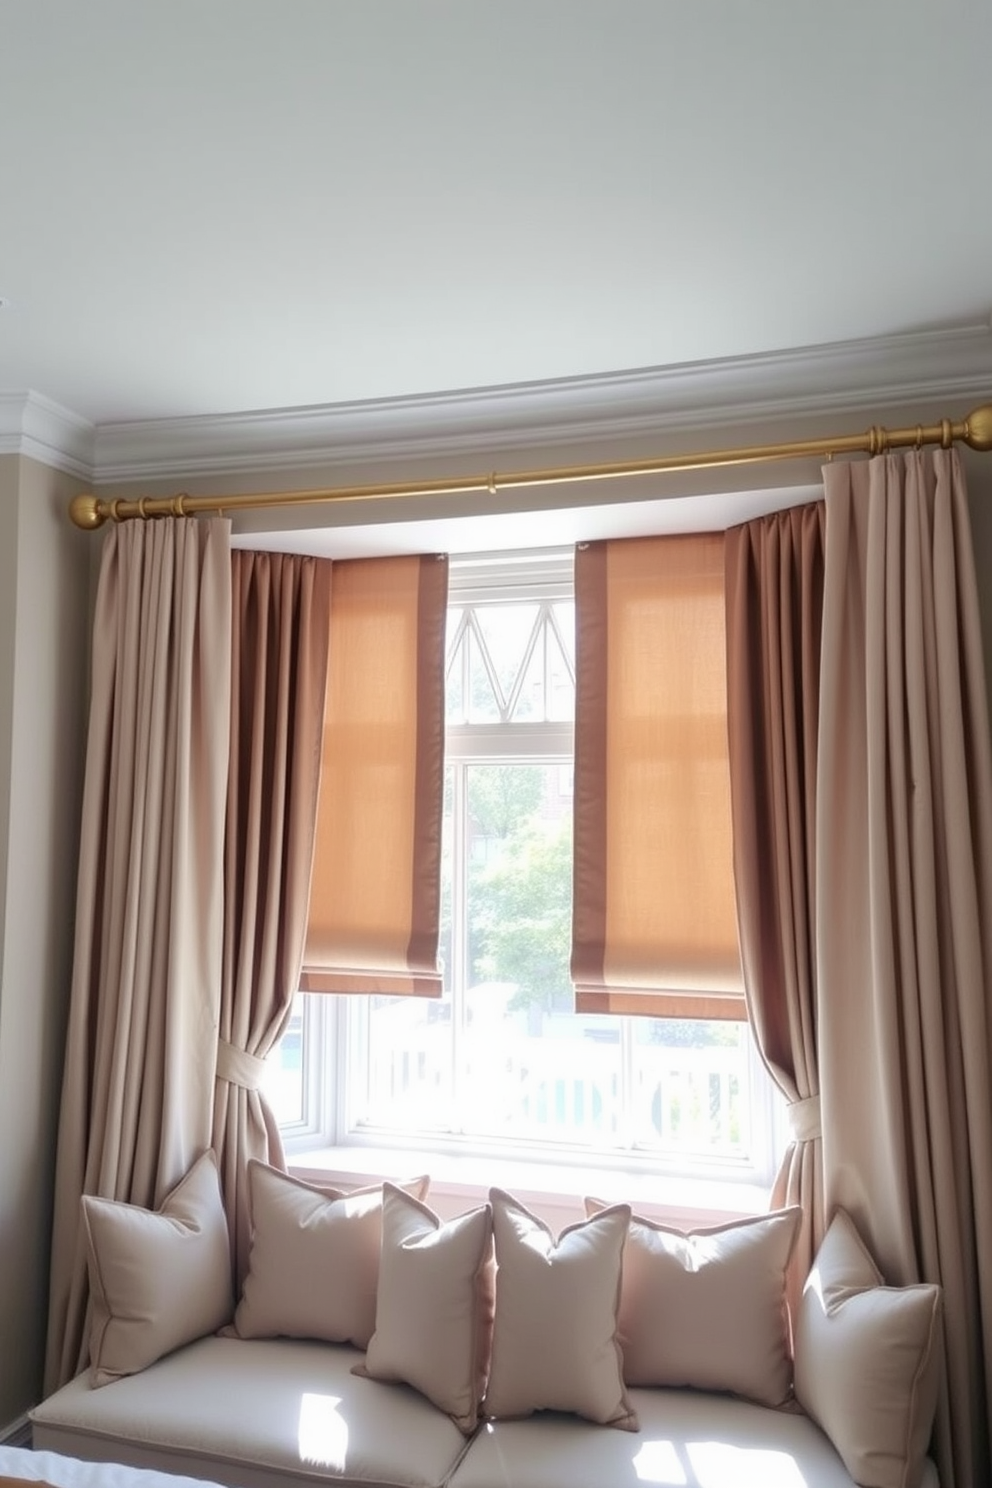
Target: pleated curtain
904	906
281	607
774	586
137	1096
208	775
872	812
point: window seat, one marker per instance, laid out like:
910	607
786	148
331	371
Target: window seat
274	1412
373	1343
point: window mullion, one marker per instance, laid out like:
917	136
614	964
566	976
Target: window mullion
466	664
529	648
487	662
563	648
628	1093
459	934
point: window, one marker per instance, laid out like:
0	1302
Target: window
502	1061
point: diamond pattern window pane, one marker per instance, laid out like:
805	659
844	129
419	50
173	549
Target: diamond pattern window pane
506	631
529	706
483	704
511	662
563	620
454	686
560	671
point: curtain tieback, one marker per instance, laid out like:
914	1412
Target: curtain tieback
239	1067
804	1119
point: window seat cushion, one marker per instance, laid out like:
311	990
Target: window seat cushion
271	1413
256	1413
691	1438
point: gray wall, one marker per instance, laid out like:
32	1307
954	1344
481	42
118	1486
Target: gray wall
44	623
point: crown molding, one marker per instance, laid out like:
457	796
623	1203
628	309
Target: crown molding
35	426
842	379
951	365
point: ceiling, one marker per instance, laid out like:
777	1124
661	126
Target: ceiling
257	205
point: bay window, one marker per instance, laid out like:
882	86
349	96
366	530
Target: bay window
502	1062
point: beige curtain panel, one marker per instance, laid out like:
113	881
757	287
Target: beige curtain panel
904	874
281	607
137	1094
654	915
774	623
374	916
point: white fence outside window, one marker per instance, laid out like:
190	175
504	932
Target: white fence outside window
563	1089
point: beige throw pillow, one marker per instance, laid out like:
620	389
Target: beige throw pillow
706	1309
313	1265
867	1361
555	1331
434	1312
157	1279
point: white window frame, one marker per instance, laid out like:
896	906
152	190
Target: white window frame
333	1034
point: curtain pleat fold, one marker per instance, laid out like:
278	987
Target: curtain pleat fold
142	1033
904	902
281	607
774	623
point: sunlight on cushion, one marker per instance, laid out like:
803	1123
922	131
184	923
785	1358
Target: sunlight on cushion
814	1285
323	1435
658	1462
715	1464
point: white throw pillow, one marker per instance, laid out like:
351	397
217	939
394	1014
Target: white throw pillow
434	1311
313	1265
707	1308
158	1279
868	1360
555	1331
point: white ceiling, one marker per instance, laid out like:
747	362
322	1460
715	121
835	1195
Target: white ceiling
257	204
243	205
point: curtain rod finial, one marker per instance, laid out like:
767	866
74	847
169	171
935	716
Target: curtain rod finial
85	512
978	428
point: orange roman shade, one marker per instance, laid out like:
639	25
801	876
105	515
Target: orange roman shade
654	914
373	923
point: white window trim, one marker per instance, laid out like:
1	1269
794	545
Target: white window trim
329	1138
327	1148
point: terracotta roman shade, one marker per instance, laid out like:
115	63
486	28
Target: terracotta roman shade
654	918
375	892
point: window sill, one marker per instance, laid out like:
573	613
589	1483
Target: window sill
554	1192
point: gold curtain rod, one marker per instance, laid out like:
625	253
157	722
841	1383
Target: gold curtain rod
90	512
